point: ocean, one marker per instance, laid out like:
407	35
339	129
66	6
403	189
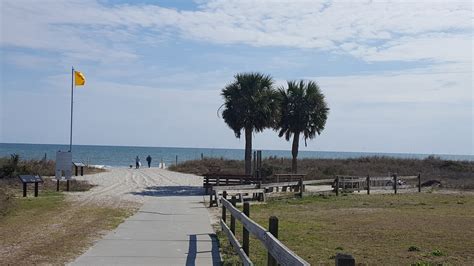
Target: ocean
123	156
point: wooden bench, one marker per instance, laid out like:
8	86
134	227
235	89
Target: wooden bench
218	179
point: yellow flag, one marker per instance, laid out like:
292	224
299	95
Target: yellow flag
79	78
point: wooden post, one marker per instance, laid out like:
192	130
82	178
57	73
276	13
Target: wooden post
24	189
233	200
57	185
254	164
273	229
75	168
36	189
206	184
395	185
224	214
176	163
245	232
368	184
67	185
210	200
82	170
301	188
337	186
419	182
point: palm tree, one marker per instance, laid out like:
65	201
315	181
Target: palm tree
303	110
250	104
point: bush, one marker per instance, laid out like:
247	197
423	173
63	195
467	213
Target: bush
437	253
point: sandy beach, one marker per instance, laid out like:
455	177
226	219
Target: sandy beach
125	187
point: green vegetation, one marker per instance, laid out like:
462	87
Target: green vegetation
452	174
49	229
250	105
303	110
375	229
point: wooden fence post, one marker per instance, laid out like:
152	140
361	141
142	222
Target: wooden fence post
224	214
419	182
67	185
233	200
337	186
36	189
57	185
176	160
301	187
368	184
395	185
245	232
24	189
273	229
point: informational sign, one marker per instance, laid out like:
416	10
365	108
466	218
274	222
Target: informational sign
63	165
31	179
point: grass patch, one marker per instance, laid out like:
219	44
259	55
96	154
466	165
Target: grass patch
49	229
375	229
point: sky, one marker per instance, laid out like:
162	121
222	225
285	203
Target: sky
397	75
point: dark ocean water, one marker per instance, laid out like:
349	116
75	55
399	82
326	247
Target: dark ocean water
124	156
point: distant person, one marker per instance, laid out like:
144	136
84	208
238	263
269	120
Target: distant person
137	162
148	160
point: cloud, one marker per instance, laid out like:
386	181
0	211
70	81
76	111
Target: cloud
372	31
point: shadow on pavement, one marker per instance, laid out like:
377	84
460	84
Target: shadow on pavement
192	250
166	191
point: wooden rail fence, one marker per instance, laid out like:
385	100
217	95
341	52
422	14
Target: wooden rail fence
278	253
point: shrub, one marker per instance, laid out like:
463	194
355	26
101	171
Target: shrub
437	253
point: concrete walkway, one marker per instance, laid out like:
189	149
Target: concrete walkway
168	230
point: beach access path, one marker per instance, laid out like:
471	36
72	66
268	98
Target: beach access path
172	226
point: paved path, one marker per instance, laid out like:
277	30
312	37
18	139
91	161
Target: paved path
169	229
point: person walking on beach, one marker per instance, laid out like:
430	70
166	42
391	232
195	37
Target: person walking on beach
137	162
148	159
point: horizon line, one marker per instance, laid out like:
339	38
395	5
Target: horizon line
220	148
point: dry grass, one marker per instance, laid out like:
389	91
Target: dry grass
10	169
375	229
49	229
453	174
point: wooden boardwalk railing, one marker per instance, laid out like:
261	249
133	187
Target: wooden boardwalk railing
278	253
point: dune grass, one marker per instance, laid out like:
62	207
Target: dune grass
452	174
377	229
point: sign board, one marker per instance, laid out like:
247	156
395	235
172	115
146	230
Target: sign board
63	165
31	179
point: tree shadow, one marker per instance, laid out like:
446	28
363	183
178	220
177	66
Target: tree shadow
167	191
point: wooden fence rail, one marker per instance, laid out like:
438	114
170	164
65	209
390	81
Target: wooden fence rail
277	250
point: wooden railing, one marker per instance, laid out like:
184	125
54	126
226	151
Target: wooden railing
278	253
358	182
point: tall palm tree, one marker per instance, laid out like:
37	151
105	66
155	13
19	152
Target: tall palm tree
250	104
303	110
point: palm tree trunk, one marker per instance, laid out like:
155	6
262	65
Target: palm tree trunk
294	152
248	151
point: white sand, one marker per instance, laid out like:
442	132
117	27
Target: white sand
123	187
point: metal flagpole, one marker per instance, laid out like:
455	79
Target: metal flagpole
72	100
